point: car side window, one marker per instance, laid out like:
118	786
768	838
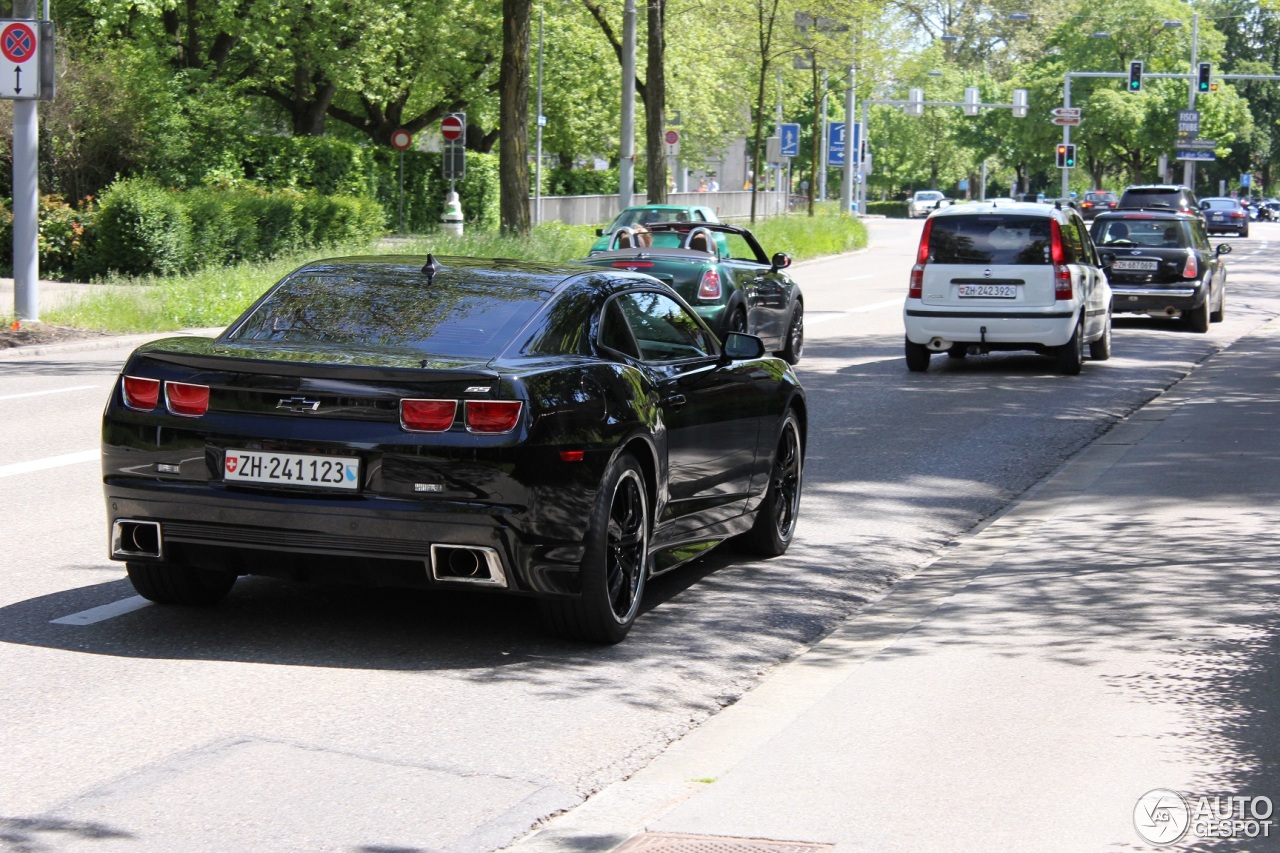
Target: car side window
1075	246
1200	235
1081	231
615	334
664	330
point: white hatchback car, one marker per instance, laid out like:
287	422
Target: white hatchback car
1018	276
924	202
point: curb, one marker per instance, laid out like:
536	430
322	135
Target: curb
100	343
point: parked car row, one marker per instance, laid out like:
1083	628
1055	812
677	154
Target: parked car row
558	431
1029	276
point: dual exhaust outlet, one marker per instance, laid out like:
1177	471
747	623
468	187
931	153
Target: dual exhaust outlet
466	564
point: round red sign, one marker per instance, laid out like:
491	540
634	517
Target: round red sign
672	137
18	42
401	139
451	128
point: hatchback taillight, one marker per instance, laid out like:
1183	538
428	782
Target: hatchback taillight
491	416
915	288
1191	268
427	415
140	393
709	286
185	399
1062	289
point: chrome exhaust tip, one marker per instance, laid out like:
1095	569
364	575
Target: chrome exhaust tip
136	540
938	345
471	564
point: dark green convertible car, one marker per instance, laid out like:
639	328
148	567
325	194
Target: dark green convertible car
722	272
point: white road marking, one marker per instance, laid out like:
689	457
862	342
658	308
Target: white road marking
52	391
859	277
50	462
104	612
861	309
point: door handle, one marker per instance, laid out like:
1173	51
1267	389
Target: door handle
675	401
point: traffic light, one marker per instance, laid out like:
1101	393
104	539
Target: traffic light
1204	84
1135	76
1071	156
1062	156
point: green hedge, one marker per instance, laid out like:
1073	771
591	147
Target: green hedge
425	189
140	228
891	209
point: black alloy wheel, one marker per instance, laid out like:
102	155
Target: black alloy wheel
794	347
174	583
615	564
775	523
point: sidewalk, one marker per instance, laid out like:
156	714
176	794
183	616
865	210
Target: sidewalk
1113	632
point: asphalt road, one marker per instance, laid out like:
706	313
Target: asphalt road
317	718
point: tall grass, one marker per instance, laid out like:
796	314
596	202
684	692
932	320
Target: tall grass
215	297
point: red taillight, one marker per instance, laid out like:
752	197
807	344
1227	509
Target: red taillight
1190	269
632	265
190	401
1085	205
1058	254
140	393
709	287
427	415
915	289
1238	214
491	416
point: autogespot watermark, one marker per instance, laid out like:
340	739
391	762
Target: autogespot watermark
1163	816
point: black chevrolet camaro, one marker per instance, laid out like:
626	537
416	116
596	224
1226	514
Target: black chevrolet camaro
556	432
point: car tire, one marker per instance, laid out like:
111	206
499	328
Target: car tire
1197	319
174	583
1244	233
734	321
917	357
1216	316
958	351
615	563
775	523
793	348
1071	354
1100	350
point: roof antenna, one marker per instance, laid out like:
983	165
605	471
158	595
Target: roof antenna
431	267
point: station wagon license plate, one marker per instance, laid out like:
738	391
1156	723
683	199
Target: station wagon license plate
987	291
291	469
1135	265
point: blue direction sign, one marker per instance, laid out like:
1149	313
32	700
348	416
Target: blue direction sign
790	145
835	145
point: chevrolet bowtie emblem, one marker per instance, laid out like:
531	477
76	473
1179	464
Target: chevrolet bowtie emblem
298	404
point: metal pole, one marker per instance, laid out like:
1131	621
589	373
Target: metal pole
400	220
1189	167
846	188
537	169
821	188
26	197
627	155
1066	132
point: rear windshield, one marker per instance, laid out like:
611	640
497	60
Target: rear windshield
645	216
1220	204
990	239
1172	199
1149	233
386	313
928	196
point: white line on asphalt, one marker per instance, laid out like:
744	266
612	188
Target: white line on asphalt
52	391
861	309
103	613
859	277
49	462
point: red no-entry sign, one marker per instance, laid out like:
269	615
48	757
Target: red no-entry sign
451	128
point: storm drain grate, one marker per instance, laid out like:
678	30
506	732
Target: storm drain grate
679	842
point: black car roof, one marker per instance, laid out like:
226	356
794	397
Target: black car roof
1145	213
533	275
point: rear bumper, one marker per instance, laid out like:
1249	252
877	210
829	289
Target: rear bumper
369	541
1143	299
1045	328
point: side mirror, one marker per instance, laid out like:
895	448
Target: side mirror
599	232
1223	249
740	347
1107	259
780	261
